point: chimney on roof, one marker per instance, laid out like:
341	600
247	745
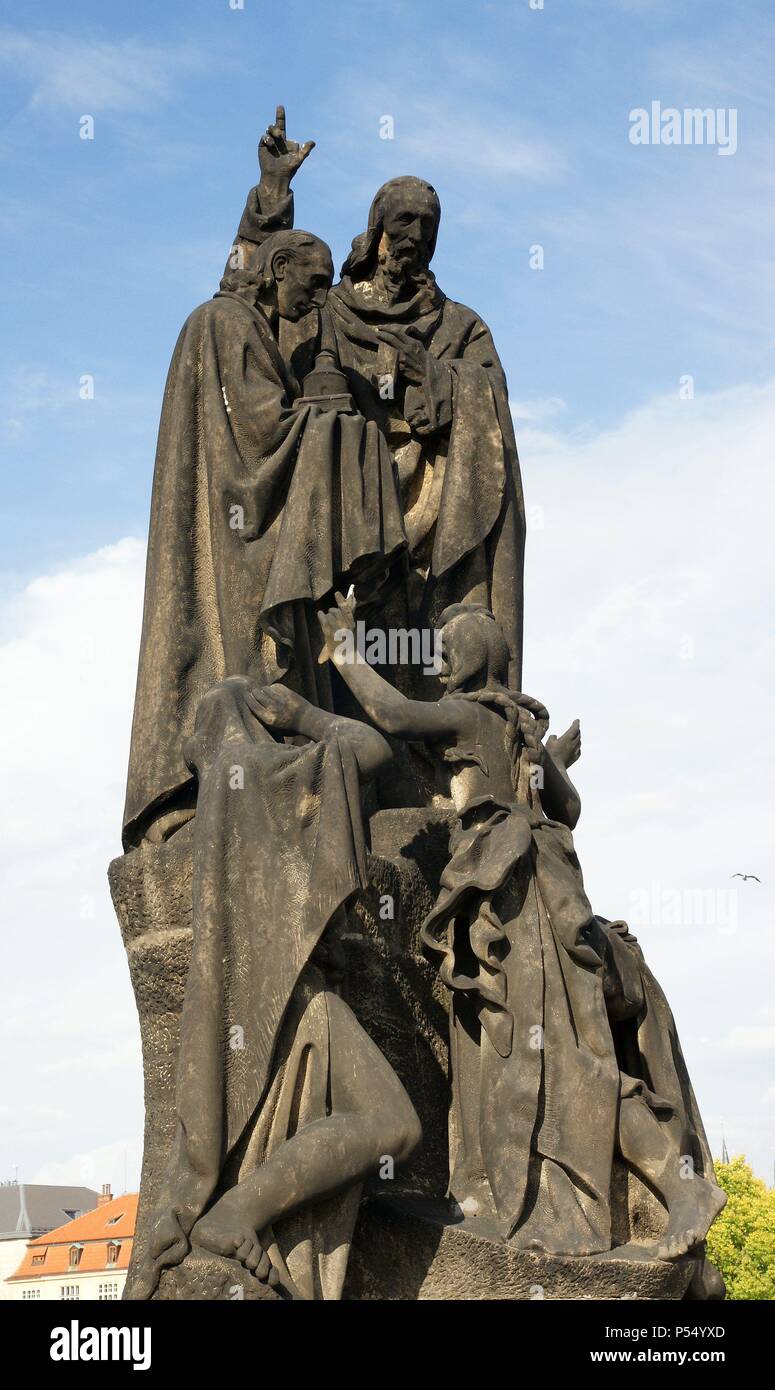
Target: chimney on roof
105	1196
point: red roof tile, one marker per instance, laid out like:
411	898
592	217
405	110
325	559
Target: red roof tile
115	1221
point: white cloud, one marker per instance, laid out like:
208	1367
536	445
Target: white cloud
649	615
753	1038
68	655
538	411
117	1164
467	132
91	75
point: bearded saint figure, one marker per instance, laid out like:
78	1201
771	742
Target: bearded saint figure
426	370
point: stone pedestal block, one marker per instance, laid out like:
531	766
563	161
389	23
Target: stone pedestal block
415	1249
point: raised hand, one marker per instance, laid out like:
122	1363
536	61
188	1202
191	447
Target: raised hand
279	157
339	619
567	747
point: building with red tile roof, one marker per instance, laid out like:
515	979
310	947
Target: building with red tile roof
30	1209
85	1259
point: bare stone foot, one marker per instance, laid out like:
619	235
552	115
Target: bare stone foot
539	1243
166	1239
222	1231
689	1219
635	1254
167	1246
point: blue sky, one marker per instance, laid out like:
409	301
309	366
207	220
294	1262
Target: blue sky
650	531
653	265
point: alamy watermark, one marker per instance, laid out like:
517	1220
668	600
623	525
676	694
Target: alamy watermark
656	905
396	646
693	125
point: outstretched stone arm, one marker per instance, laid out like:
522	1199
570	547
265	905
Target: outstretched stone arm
385	706
289	713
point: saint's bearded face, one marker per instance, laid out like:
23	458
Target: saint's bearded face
408	231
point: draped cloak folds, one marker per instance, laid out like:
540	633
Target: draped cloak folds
453	441
648	1047
570	1023
275	855
258	510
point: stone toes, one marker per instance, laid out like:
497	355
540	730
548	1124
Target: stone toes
255	1259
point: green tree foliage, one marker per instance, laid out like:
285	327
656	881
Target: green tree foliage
741	1242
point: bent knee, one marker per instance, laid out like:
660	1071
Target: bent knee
408	1133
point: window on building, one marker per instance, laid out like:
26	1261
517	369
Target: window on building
114	1249
30	1293
70	1291
113	1219
108	1291
38	1259
75	1255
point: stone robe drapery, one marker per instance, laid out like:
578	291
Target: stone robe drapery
257	511
534	1071
275	856
648	1047
453	441
555	1021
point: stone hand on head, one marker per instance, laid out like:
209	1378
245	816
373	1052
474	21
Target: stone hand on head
276	706
279	157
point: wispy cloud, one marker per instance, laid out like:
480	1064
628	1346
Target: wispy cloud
91	75
117	1163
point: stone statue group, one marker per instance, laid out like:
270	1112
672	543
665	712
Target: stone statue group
331	453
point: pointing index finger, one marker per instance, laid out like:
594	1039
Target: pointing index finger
279	119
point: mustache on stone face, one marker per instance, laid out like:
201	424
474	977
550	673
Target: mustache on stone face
409	251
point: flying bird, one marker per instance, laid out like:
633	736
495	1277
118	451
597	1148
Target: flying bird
745	877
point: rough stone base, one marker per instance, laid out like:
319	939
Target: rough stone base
209	1277
411	1249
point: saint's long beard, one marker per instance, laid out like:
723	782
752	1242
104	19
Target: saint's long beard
400	276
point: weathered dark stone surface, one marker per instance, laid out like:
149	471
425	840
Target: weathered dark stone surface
211	1278
392	988
411	1250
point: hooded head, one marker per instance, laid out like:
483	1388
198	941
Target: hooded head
401	234
475	655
